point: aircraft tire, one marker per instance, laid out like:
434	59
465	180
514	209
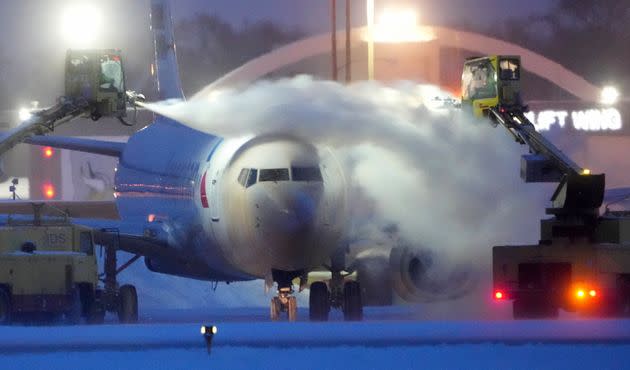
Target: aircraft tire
127	304
275	309
292	308
352	305
319	302
5	307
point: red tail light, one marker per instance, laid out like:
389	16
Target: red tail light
499	295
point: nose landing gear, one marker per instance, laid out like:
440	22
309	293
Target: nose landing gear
285	301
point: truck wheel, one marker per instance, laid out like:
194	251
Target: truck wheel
127	304
5	307
93	309
95	314
73	315
533	308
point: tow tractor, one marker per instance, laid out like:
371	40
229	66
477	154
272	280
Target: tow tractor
48	268
582	261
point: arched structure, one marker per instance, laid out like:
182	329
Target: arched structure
445	37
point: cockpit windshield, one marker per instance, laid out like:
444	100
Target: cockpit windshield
274	174
242	177
247	177
251	179
306	174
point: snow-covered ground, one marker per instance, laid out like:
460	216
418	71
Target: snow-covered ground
471	356
386	340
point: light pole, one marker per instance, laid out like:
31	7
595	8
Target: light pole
333	37
348	51
370	25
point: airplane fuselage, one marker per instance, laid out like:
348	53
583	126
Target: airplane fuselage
240	207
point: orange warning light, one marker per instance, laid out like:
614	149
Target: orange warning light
592	293
48	152
580	293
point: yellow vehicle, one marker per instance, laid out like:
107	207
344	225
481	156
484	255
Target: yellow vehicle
97	77
49	269
491	81
582	260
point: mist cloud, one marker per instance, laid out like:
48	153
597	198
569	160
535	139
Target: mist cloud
450	183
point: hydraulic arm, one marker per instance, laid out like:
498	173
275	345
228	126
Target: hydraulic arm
579	193
491	89
95	88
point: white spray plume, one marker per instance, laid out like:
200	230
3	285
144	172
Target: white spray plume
448	181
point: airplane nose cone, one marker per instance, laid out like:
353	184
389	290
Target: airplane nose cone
291	211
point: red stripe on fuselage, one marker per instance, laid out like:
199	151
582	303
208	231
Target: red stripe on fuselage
204	196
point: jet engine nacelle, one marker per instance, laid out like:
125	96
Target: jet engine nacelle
407	274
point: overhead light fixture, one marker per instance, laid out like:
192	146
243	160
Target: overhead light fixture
24	114
609	95
400	26
81	25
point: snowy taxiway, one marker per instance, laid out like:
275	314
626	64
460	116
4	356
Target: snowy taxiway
385	340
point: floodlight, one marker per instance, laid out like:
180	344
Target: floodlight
400	25
81	25
609	95
24	114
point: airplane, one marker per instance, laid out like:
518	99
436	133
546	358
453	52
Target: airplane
272	207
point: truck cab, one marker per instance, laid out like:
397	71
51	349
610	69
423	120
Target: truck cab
491	81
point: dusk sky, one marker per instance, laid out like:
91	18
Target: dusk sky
32	38
313	14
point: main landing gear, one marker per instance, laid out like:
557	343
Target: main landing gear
344	295
339	293
122	300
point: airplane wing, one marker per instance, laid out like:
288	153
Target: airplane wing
616	194
103	218
108	148
130	237
134	243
